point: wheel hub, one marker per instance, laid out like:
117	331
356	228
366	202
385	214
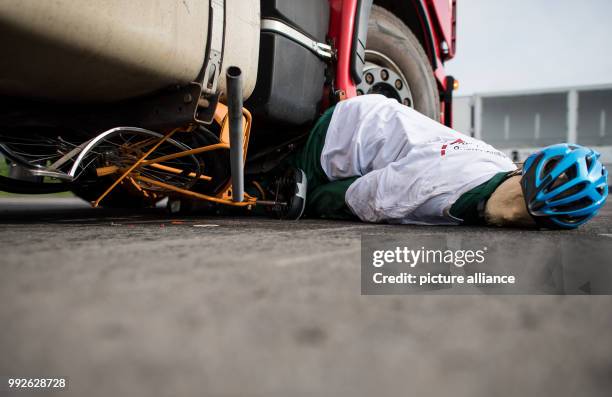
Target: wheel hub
382	76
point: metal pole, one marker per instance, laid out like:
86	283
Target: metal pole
234	104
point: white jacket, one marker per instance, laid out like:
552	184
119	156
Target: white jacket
413	169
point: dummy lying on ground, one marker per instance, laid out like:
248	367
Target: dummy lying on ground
376	160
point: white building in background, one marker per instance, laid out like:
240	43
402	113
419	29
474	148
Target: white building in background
520	122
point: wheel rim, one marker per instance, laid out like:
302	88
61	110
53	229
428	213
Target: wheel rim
382	76
123	146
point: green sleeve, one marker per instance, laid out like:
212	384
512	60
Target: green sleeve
466	207
309	157
327	201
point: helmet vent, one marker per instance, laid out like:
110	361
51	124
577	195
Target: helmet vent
572	190
549	166
568	219
575	206
565	177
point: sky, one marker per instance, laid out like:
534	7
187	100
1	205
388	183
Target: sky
506	45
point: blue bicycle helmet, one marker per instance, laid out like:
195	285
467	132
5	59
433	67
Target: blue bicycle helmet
564	185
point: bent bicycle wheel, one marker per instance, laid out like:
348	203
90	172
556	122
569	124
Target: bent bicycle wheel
110	155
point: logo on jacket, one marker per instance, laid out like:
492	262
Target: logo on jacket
455	142
467	146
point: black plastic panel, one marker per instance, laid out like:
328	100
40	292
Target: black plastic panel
309	16
289	87
290	78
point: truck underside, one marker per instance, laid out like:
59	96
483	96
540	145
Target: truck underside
90	94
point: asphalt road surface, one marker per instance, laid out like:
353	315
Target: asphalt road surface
147	304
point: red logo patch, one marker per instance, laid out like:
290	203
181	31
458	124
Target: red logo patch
443	150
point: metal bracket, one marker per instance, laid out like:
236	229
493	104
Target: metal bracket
210	80
322	50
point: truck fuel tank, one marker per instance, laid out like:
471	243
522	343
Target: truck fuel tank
109	50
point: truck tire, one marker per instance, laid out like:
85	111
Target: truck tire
392	51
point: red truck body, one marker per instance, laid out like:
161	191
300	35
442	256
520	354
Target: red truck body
436	30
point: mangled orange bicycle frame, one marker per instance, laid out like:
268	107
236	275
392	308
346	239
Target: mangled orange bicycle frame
225	197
